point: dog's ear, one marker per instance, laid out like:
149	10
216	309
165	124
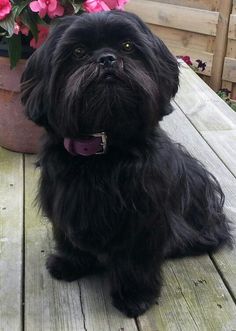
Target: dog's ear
35	78
168	74
164	65
33	88
168	65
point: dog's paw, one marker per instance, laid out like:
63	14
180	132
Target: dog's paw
61	268
129	306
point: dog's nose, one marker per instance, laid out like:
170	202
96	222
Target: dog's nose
107	60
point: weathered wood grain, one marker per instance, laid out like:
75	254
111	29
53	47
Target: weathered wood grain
49	305
224	144
205	110
173	16
211	116
182	131
232	27
99	313
57	306
201	4
220	44
193	298
229	72
11	231
225	260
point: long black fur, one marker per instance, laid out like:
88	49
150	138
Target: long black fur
146	199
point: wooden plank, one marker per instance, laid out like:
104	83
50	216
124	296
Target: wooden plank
179	17
226	259
234	7
184	39
194	296
51	305
200	4
195	89
99	313
232	27
199	148
229	72
181	130
11	230
210	115
201	105
220	44
224	144
231	49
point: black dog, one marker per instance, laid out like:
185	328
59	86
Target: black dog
128	197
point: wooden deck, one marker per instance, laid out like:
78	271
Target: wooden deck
198	293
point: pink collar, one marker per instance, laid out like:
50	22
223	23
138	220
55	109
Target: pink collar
91	144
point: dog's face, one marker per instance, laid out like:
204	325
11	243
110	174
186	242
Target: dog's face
100	72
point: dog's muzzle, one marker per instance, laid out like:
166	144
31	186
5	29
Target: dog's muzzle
92	144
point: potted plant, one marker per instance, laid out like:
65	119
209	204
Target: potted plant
24	26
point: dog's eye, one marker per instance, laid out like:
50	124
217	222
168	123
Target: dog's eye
127	46
79	52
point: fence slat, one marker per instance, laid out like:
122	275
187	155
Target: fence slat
220	44
173	16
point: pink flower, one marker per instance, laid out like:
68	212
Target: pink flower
42	35
5	8
186	59
16	28
93	6
47	7
20	27
24	30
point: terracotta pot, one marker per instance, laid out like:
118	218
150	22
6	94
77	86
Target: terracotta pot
17	133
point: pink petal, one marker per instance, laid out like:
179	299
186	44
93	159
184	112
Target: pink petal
104	6
33	43
24	30
52	6
16	28
5	8
59	11
110	3
92	6
42	3
42	12
34	6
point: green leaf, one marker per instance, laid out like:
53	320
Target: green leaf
30	20
19	7
76	6
8	23
14	49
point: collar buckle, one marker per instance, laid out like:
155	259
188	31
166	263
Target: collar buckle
103	137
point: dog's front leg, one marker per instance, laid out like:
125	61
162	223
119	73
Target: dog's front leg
70	263
135	284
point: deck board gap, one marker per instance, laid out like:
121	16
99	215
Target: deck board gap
138	325
82	306
186	301
227	285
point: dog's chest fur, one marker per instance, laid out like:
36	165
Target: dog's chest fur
92	199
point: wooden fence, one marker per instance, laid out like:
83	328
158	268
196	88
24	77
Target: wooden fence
204	29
